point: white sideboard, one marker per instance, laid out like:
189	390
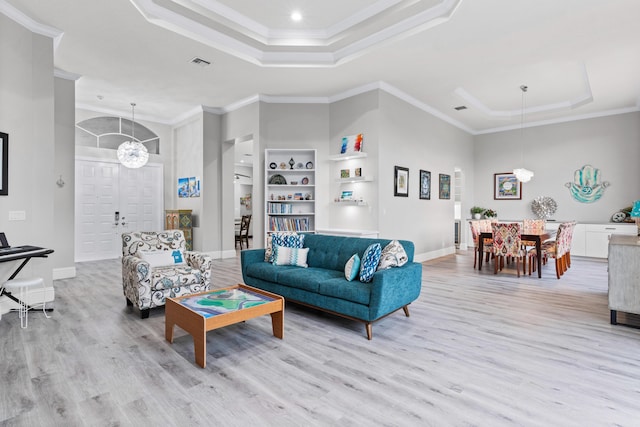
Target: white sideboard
624	275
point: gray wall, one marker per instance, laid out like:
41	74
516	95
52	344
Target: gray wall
554	152
63	208
27	115
411	138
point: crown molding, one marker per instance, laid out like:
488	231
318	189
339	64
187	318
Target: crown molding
31	24
314	47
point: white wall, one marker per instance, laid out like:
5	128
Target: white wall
554	152
27	115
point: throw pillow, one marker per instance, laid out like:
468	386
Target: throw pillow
393	255
283	255
290	239
352	267
370	260
162	258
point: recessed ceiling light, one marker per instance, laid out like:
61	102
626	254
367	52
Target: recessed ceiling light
296	16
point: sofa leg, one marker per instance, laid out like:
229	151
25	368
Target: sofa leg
406	310
369	331
129	303
144	314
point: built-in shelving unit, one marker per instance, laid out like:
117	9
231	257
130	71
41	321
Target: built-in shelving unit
348	170
290	193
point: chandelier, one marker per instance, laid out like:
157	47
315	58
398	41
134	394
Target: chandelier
523	174
133	154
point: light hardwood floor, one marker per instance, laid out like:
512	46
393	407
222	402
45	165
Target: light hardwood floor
478	350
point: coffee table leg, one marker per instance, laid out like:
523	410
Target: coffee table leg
277	323
200	348
168	328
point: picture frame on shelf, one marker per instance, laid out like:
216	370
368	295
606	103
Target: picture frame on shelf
444	186
506	187
4	164
344	173
358	172
400	181
425	185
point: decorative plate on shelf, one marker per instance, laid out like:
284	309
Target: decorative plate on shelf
305	181
544	207
283	165
273	165
309	165
277	179
299	165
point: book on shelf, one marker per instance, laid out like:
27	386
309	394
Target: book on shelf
288	224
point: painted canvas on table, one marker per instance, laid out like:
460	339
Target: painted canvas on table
352	144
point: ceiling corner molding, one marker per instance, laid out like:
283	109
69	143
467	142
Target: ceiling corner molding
570	104
31	24
213	110
57	72
313	47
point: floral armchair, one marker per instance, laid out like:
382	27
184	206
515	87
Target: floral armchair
155	265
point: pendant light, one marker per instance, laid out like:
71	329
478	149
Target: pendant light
523	174
133	154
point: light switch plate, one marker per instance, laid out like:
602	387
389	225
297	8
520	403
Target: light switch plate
17	215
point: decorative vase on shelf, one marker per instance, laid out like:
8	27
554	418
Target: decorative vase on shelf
292	162
477	216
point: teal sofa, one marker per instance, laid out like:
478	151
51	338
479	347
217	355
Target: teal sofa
323	285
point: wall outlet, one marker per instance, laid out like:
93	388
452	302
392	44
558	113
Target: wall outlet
17	215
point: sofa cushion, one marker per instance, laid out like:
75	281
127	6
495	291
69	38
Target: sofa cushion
355	291
352	267
283	255
264	271
393	255
290	239
163	258
370	260
308	279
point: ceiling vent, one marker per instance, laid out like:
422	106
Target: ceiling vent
199	61
460	108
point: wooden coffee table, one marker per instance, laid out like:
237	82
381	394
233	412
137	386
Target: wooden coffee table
202	312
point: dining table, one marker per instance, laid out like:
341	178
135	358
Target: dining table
537	236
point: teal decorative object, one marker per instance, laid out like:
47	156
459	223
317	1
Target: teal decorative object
586	186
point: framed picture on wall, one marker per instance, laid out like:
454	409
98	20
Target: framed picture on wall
425	185
506	187
401	181
4	164
445	186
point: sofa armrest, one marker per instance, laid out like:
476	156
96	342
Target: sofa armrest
248	257
202	262
136	279
394	288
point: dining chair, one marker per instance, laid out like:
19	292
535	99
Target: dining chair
507	244
477	227
242	234
558	249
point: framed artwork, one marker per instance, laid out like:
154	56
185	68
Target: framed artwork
400	181
425	185
351	144
344	173
445	186
506	187
4	164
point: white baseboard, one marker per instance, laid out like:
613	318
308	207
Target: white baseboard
64	273
221	254
434	254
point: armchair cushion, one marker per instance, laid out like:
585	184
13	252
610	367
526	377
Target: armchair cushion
163	258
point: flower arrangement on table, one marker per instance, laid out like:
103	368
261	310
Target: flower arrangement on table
477	212
490	213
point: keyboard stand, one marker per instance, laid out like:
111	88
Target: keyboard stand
35	252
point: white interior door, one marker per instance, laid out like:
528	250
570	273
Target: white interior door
111	199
